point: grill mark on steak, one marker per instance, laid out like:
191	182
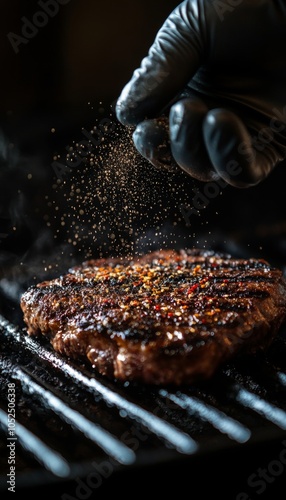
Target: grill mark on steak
165	317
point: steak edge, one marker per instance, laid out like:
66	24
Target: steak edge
167	317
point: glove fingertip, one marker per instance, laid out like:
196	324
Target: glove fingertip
151	139
123	114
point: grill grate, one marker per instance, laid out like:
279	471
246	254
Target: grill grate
68	418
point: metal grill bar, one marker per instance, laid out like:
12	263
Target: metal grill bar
282	377
259	405
225	424
49	458
111	445
179	426
181	441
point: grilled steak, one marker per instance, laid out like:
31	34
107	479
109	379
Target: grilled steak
168	317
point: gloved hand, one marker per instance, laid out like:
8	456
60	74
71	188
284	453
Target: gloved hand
210	96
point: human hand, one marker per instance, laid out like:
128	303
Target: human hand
210	96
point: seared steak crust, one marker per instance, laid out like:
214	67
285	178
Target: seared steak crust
168	317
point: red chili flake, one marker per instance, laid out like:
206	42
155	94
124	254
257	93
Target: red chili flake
137	283
205	280
192	288
157	307
170	314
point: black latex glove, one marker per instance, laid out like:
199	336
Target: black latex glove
211	94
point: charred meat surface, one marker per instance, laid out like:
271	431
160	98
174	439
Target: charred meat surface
167	317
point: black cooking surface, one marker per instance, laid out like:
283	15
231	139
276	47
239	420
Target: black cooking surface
76	428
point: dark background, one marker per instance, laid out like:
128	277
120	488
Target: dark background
67	77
